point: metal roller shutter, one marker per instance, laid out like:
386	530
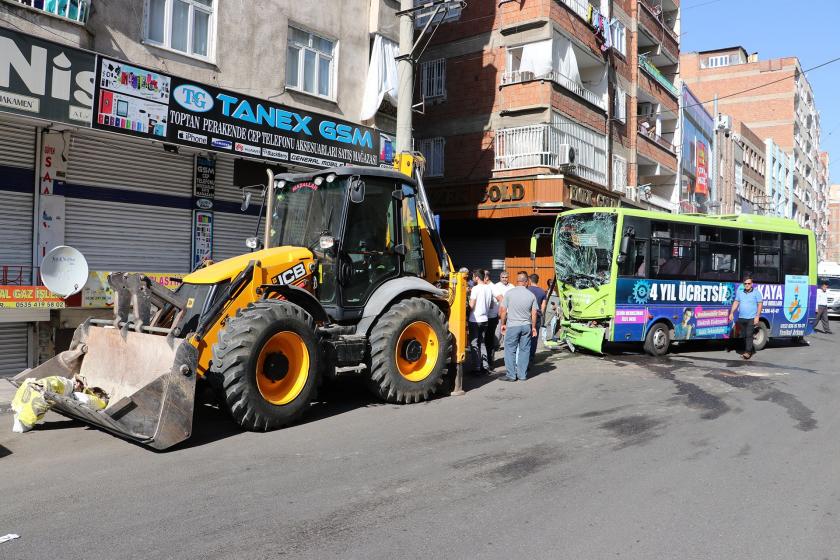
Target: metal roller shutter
230	232
477	252
140	234
14	344
129	164
17	155
129	237
225	190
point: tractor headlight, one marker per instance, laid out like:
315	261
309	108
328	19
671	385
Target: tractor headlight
251	242
326	242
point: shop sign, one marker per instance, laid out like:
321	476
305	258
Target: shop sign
50	224
582	195
501	192
131	99
202	229
43	79
204	186
97	292
29	297
211	118
702	182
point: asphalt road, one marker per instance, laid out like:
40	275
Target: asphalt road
697	455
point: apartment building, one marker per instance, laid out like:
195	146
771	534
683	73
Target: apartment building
128	127
823	184
779	106
778	176
741	182
833	245
546	105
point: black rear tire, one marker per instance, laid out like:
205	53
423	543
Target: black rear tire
255	354
658	340
386	381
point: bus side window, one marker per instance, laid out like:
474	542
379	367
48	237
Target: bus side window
636	262
794	254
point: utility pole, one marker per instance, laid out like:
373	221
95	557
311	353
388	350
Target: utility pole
405	77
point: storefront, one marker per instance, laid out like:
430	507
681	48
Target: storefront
138	169
517	207
697	182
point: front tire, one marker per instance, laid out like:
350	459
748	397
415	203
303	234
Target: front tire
409	348
761	336
266	361
658	340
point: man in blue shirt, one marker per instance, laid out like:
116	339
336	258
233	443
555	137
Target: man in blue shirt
748	304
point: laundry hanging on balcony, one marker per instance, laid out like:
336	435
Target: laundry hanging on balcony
536	59
382	79
565	60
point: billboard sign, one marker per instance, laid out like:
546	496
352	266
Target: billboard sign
44	79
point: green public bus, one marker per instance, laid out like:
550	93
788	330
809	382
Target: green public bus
631	276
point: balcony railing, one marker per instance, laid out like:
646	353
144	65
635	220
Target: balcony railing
539	146
517	76
580	7
657	75
74	10
656	11
651	134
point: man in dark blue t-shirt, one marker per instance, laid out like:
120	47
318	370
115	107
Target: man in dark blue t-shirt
539	293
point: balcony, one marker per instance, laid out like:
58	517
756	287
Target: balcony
73	10
658	76
519	76
539	146
580	7
650	134
655	32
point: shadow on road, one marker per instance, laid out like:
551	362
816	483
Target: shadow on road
4	451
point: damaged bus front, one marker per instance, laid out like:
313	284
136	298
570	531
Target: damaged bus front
584	242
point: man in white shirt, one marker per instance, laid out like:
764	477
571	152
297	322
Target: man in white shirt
481	300
499	289
822	309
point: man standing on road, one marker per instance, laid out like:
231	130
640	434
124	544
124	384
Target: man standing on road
540	294
499	289
481	299
822	309
518	317
492	323
748	304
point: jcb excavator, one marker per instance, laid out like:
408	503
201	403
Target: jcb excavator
352	278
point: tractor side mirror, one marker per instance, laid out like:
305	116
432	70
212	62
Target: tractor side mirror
533	247
246	200
624	248
357	190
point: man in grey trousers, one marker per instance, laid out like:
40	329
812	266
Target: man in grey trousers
518	319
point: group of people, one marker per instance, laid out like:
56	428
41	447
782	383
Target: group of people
512	313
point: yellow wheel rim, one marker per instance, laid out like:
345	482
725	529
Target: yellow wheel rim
282	368
417	351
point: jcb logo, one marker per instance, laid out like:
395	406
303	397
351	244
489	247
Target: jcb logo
290	275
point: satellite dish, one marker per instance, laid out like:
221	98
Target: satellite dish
64	271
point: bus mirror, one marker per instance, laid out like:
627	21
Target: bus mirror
624	249
533	247
246	201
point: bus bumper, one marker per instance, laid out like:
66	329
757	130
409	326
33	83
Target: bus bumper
580	335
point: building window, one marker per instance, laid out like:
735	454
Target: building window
620	109
618	34
433	74
717	61
74	10
432	150
619	173
310	61
182	25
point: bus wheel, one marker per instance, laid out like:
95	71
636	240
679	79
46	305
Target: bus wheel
761	335
658	340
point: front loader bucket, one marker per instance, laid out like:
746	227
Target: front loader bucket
149	379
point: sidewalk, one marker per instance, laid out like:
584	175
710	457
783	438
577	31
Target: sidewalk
7	392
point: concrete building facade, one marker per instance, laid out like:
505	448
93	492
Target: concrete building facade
780	105
547	105
741	181
778	176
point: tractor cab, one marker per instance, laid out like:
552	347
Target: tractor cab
361	224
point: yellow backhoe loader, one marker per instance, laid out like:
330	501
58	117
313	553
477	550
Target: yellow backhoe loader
351	277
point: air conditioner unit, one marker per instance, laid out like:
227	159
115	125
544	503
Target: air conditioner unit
565	155
630	192
724	122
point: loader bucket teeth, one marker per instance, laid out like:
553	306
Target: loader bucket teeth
149	379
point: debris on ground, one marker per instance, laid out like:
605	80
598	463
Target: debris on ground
32	399
9	537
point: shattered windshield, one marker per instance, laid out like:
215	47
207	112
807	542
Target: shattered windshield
304	211
583	248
